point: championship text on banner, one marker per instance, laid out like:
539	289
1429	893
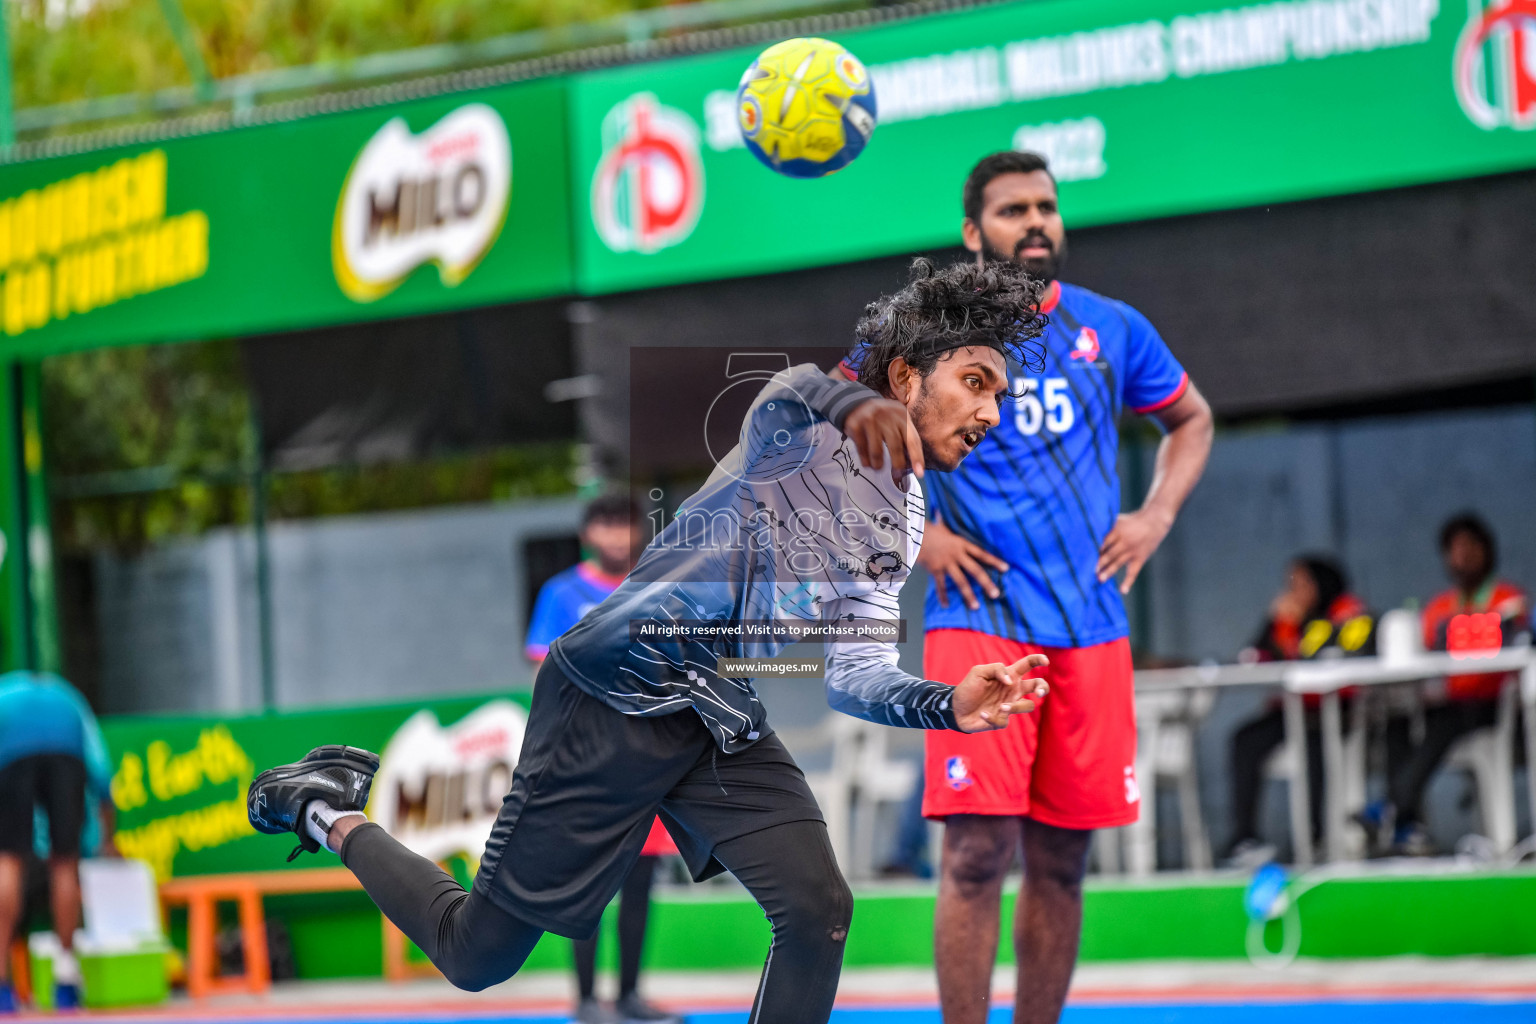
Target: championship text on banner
636	176
1145	108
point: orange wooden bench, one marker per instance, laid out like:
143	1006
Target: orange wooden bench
21	969
202	894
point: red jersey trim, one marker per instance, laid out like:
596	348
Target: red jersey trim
1052	297
1178	393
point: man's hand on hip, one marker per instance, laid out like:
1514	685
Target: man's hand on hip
989	694
1128	546
951	559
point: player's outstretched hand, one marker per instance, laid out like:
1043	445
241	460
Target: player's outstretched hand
881	425
989	694
954	561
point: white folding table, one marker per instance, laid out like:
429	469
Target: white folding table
1326	679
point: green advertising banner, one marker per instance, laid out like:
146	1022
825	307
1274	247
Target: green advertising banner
180	783
450	202
1145	108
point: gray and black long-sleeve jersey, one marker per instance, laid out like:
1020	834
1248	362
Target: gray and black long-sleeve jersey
789	526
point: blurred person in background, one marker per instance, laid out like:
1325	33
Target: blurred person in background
1314	615
1023	545
52	758
1480	612
612	537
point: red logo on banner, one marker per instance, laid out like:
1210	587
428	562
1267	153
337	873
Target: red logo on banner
1496	66
649	185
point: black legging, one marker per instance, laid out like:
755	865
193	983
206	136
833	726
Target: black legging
789	869
1410	766
634	908
1251	747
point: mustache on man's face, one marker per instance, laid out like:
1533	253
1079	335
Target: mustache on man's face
1030	241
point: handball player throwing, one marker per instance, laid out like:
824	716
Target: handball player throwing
810	519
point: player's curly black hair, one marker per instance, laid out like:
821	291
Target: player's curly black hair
994	306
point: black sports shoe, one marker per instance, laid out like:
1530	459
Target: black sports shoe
341	776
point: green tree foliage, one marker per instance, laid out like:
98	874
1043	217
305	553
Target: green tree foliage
148	443
74	49
503	474
145	442
182	407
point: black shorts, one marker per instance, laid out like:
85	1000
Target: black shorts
589	782
54	782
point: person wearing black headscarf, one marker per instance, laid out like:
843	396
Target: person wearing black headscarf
1315	615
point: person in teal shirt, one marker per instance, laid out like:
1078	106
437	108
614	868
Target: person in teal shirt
53	767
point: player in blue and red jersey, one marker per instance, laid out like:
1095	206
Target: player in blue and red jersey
612	537
1026	540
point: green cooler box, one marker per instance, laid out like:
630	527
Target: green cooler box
126	974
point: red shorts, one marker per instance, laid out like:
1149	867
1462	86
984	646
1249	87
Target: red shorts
659	843
1070	763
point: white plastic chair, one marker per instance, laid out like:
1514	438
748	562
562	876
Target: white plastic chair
1166	723
1285	763
860	777
1489	754
879	781
833	786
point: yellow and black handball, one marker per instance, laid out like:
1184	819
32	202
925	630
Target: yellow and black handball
806	107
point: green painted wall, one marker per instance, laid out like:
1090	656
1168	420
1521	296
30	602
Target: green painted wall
1459	915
